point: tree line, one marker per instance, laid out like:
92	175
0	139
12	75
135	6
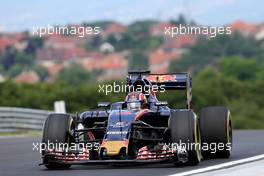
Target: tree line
236	82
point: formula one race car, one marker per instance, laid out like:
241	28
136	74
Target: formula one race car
140	129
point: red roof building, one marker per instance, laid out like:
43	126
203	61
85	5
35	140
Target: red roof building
59	41
61	54
179	42
159	29
114	28
29	77
114	66
4	44
159	60
54	69
8	40
246	29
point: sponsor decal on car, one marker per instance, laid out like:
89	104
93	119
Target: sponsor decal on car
117	132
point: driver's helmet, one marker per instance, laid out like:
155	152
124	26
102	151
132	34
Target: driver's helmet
136	101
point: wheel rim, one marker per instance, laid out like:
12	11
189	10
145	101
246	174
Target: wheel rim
197	140
229	132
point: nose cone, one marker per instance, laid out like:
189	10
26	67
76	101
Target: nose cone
113	147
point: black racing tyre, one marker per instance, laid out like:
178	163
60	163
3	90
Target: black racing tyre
216	132
56	130
184	129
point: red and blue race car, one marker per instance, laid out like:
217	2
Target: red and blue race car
139	129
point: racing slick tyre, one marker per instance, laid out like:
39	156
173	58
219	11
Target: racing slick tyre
216	132
56	130
185	132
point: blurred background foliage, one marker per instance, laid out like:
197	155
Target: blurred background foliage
226	70
236	82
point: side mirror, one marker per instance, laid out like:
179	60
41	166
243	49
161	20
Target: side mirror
103	104
161	103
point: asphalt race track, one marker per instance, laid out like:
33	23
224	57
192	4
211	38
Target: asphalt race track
17	158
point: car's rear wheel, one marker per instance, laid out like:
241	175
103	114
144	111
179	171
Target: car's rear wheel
184	131
216	132
56	131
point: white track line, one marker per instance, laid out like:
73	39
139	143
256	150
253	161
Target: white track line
220	166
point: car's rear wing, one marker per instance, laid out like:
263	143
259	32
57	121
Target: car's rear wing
170	81
175	81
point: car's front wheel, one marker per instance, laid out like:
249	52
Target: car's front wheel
56	131
185	133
